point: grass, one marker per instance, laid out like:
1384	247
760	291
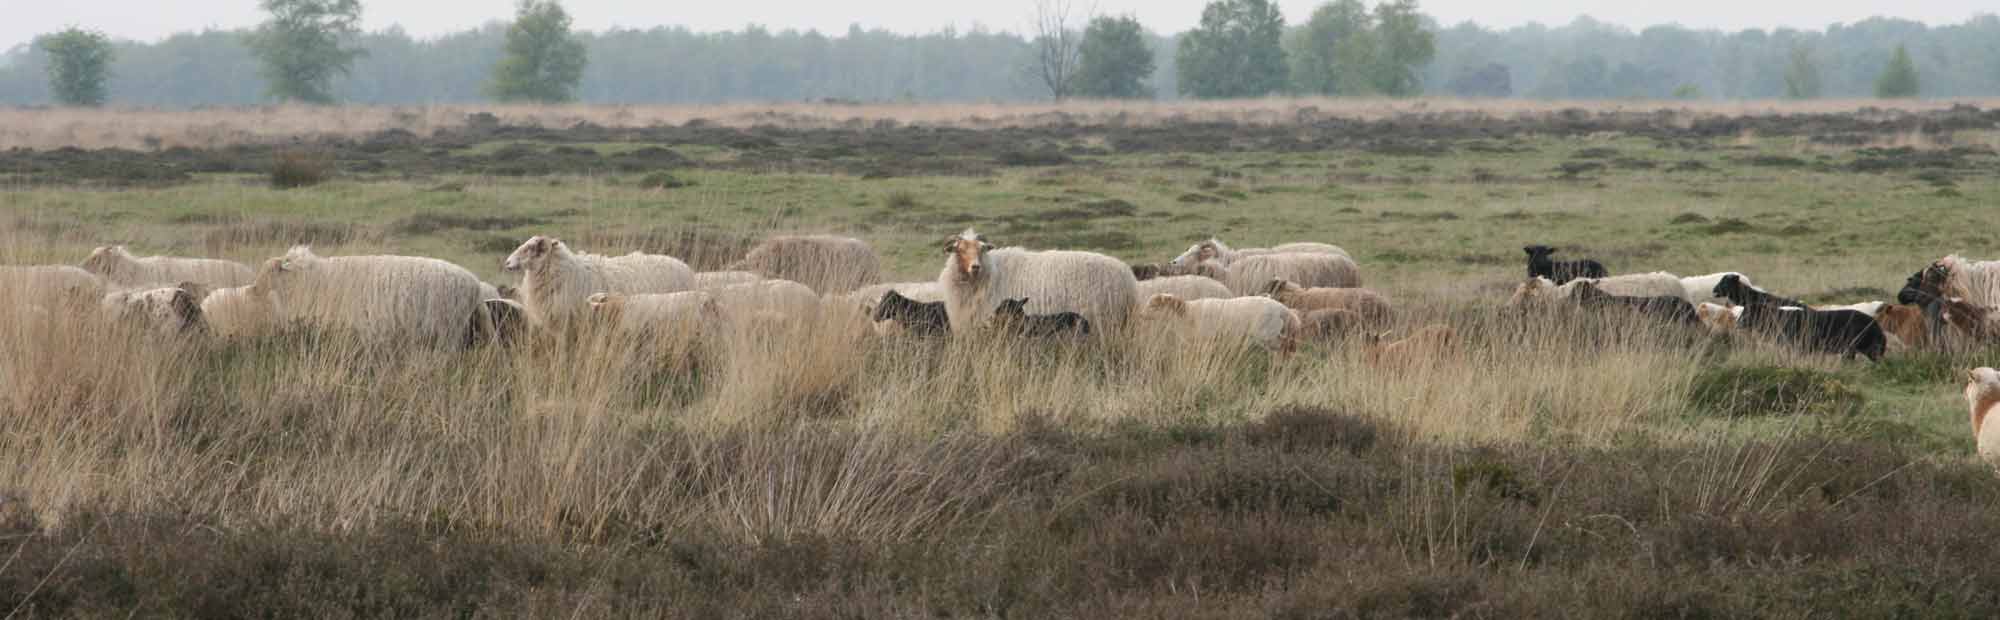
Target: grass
809	471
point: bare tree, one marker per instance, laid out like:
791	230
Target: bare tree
1058	41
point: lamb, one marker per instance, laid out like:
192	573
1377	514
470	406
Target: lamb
1542	290
977	278
386	298
708	280
1329	325
1184	287
168	310
896	312
1261	320
557	283
1214	250
1374	309
1670	309
1252	274
119	267
1982	396
1845	332
61	286
1429	343
1718	317
1561	272
682	313
1740	292
1700	289
825	263
1906	323
1012	318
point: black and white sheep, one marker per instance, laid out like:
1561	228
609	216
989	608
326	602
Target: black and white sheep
1560	271
1742	293
1843	332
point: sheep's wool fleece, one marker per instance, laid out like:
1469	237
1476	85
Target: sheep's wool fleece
393	297
1099	287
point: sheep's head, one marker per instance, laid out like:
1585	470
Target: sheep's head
533	253
1012	308
106	259
1280	286
967	252
1195	254
1936	279
1165	304
1730	286
1982	390
1538	251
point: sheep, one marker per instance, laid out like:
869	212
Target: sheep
1742	293
977	278
1561	272
168	310
1249	275
1329	324
1718	317
1372	306
1184	287
708	280
1976	282
53	286
1973	321
899	314
1012	318
118	267
1982	396
1429	343
1261	320
825	263
1543	290
237	311
782	297
1700	289
1206	269
556	283
1216	251
1906	323
1845	332
391	298
1870	308
682	313
1671	309
510	319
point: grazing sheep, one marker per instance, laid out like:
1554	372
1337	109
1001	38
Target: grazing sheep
1906	323
1982	396
1372	306
1543	290
1214	250
386	298
1184	287
1976	282
1329	325
899	314
166	310
1701	289
119	267
977	278
1429	343
53	286
1843	332
682	313
556	283
708	280
1252	274
1670	309
1560	272
1012	318
825	263
1261	320
1742	293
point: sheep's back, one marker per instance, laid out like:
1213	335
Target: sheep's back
390	297
1249	275
825	263
1099	287
1184	287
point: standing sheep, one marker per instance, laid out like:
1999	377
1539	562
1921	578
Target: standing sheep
825	263
556	283
976	278
53	286
1214	250
1184	287
1541	266
1542	290
380	298
1982	397
1252	274
785	298
684	313
119	267
1370	305
1701	289
1742	293
1260	320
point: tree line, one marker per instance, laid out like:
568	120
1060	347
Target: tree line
313	51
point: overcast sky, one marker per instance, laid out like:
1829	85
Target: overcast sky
21	20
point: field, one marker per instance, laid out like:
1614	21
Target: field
1594	469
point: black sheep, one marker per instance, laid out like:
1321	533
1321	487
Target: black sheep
1669	309
1560	271
1843	332
922	319
1737	292
1012	315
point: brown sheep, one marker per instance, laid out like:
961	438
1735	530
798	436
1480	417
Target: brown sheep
1370	305
1427	344
1330	325
1906	323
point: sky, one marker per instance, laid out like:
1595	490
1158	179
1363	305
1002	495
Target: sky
149	20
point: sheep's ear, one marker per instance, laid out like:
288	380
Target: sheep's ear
1529	249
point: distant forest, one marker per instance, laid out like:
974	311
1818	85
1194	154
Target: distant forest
1584	59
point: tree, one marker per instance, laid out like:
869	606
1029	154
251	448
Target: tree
543	62
1802	75
1333	53
1491	80
79	65
1114	60
1057	46
300	47
1899	79
1405	46
1235	52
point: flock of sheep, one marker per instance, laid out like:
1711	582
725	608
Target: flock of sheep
1274	297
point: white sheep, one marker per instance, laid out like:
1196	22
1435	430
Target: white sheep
657	314
1982	397
1220	253
977	278
1655	284
1260	320
706	280
119	267
1184	287
59	288
825	263
1250	275
780	297
556	283
166	310
237	311
380	298
1701	289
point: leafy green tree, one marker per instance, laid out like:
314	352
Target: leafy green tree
1899	79
1404	48
79	65
300	47
1115	61
543	62
1802	75
1235	52
1334	52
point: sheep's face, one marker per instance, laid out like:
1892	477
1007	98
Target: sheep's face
1729	286
1934	278
532	253
1012	307
105	260
1538	252
967	253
